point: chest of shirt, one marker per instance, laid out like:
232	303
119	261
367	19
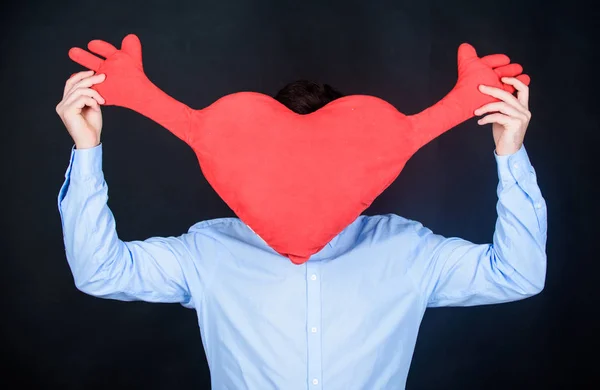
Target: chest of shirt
337	297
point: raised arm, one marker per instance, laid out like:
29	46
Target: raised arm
155	270
127	85
456	272
151	270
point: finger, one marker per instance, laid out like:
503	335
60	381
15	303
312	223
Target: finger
510	70
508	88
496	60
500	94
524	78
75	78
86	82
496	118
522	89
465	54
87	92
85	58
102	48
131	45
465	50
503	108
71	100
78	104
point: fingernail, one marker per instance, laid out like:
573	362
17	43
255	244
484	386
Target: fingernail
481	86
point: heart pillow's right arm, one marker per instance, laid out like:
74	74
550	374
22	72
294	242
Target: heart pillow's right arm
461	102
127	85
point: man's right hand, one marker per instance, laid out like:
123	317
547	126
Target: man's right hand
80	109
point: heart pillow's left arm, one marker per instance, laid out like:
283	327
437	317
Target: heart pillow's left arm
461	102
127	85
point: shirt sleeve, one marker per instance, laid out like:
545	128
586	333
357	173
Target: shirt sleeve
456	272
104	266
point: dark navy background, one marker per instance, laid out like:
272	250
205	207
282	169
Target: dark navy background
54	336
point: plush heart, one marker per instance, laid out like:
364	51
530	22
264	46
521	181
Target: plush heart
296	180
300	179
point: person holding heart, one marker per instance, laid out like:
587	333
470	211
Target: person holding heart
302	291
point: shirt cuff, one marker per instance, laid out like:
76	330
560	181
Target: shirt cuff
513	168
86	162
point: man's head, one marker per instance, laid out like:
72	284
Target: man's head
304	97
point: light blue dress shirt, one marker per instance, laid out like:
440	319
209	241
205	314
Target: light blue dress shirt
346	319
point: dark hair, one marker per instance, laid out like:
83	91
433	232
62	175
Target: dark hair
304	97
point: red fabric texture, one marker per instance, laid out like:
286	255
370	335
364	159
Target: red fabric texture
296	180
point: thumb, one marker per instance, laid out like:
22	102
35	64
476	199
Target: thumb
131	45
465	52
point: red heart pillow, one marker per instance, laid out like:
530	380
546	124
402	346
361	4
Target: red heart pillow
296	180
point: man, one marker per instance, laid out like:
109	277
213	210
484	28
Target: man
346	319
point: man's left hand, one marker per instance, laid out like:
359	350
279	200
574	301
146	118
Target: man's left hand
510	116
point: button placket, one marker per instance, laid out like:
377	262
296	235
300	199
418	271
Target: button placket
313	324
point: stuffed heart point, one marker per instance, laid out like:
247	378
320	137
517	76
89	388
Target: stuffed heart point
296	180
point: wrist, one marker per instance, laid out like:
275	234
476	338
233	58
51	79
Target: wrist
89	145
506	150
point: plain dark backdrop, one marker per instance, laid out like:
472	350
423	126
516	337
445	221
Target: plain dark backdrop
54	336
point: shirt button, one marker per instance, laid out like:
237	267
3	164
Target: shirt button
313	277
516	165
538	205
313	329
315	381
